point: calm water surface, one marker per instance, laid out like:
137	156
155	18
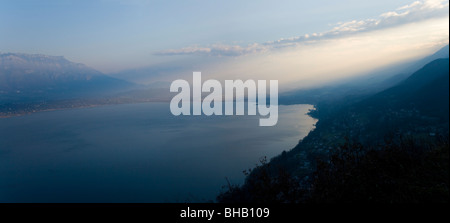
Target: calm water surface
135	153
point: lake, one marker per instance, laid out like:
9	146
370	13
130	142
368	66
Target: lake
136	153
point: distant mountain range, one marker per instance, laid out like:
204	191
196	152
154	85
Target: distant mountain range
406	70
426	90
362	86
52	77
418	105
33	82
28	80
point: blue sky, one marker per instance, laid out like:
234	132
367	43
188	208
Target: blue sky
112	35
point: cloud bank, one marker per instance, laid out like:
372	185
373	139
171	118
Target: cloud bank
414	12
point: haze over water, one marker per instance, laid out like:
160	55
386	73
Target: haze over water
135	153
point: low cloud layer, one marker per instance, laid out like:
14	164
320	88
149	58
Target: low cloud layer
414	12
215	50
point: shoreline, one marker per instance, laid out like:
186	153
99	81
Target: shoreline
91	103
59	107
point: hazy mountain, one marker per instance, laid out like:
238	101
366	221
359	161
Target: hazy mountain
426	90
363	86
410	68
389	147
442	53
35	75
389	76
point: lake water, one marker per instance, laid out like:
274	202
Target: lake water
135	153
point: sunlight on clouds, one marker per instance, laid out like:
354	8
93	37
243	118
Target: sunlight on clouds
349	48
317	63
415	12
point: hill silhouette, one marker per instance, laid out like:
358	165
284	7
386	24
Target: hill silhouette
389	147
425	90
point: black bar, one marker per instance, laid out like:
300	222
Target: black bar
242	212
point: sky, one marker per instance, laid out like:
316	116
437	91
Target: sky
307	42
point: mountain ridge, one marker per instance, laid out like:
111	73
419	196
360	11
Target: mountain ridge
363	86
431	80
393	143
52	77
